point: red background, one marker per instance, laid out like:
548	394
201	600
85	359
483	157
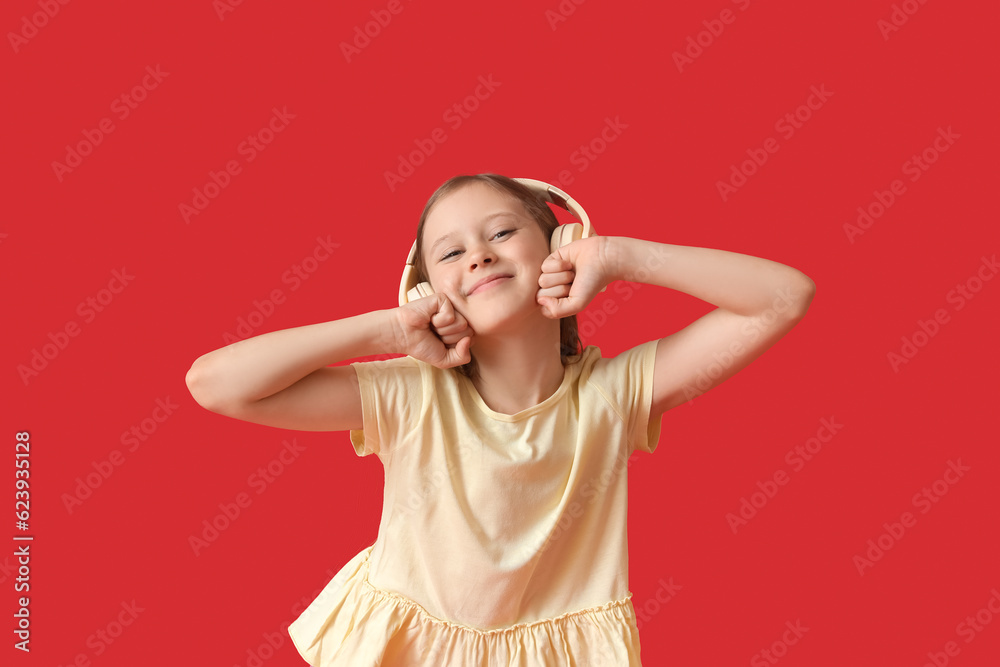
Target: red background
324	176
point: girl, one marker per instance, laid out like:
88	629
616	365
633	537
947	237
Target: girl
503	534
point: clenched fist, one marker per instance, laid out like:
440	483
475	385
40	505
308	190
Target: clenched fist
431	330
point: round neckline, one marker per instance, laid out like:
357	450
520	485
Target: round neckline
527	412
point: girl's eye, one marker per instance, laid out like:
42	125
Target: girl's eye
502	231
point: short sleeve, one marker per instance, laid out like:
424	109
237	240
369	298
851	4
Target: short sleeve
391	401
626	381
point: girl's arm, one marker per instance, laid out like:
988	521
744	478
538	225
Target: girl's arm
285	378
758	301
282	378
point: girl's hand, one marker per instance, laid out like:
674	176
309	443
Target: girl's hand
573	275
431	330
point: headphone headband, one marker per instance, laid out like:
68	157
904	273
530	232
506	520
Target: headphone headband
551	193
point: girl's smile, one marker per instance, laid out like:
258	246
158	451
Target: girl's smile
489	283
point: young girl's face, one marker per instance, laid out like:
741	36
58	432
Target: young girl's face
475	233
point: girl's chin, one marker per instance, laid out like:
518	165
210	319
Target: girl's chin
495	322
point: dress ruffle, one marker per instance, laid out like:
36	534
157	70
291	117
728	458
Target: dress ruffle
353	623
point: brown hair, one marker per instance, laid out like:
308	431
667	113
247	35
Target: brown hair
569	343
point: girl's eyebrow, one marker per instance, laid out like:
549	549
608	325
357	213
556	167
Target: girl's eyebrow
486	219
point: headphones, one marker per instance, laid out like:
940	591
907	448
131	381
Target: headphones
562	235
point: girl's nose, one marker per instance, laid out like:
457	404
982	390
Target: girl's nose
480	255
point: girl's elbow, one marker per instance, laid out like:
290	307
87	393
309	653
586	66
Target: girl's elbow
804	292
200	386
195	387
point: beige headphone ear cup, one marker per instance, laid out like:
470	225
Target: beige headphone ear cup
419	292
565	234
409	290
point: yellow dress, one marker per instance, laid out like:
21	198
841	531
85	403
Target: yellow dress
503	538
